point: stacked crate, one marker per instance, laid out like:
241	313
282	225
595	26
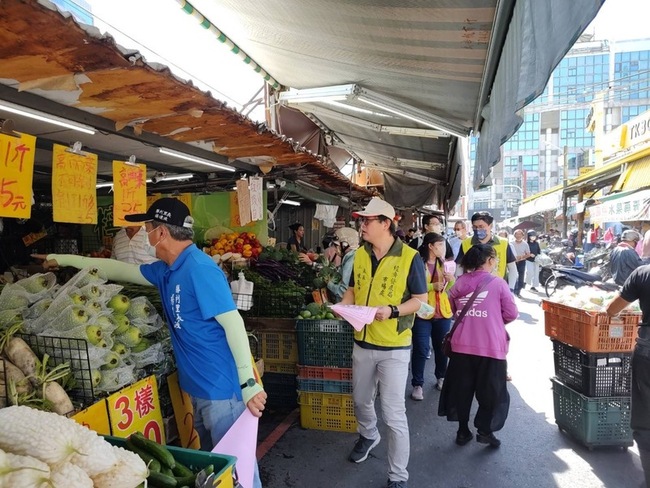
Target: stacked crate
274	341
591	388
325	375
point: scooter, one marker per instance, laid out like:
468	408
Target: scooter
565	276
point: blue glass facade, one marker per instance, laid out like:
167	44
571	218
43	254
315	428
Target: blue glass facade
527	137
631	73
577	79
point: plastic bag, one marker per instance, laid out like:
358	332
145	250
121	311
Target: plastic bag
242	292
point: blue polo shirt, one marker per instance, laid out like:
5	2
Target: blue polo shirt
193	291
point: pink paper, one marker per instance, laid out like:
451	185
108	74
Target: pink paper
241	441
357	315
450	267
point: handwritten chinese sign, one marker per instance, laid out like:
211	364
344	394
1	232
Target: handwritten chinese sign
17	170
136	408
74	176
95	418
129	190
183	413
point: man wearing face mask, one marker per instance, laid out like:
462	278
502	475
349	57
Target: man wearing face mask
482	227
460	230
431	223
211	348
131	245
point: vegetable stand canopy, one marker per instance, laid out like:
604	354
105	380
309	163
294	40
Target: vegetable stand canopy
424	74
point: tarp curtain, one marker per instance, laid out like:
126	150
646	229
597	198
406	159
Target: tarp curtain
540	34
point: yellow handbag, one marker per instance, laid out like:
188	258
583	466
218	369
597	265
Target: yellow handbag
443	304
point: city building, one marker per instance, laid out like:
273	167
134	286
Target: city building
534	158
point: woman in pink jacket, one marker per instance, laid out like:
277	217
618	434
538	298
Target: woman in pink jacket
477	365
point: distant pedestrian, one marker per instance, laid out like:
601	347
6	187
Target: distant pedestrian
624	259
522	252
460	234
477	366
532	268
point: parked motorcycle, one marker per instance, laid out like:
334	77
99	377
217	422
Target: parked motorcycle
567	276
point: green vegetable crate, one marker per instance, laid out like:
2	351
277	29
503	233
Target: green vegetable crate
325	343
597	421
224	465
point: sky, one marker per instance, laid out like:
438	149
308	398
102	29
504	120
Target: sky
163	33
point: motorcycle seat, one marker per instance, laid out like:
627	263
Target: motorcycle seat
580	274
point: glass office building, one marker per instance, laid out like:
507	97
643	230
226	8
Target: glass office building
532	160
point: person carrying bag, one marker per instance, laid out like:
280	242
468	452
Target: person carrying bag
478	348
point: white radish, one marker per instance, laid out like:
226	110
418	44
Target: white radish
13	373
21	355
56	395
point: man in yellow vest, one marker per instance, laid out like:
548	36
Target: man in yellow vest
387	275
482	227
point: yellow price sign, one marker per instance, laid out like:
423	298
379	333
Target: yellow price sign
95	418
17	163
74	176
183	413
136	408
129	191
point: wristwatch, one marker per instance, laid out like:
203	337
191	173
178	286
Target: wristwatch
249	382
394	311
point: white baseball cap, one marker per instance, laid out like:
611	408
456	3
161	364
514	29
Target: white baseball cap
376	207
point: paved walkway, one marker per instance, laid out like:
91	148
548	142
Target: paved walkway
534	453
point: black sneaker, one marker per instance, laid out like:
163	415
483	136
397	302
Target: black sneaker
463	438
488	439
362	448
533	289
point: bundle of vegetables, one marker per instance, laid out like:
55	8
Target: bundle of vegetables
44	450
588	298
272	298
28	381
317	312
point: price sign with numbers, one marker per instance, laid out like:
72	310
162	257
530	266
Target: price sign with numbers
136	408
129	191
183	413
16	174
74	196
95	418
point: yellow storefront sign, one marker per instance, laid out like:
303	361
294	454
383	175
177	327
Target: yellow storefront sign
129	191
136	408
74	176
95	418
17	163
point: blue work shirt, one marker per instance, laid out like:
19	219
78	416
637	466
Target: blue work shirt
193	291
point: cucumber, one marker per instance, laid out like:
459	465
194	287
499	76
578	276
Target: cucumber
161	480
152	463
186	480
159	451
181	471
166	471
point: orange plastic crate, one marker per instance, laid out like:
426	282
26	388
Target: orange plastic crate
322	373
588	330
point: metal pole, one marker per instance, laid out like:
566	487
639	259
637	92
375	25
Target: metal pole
565	178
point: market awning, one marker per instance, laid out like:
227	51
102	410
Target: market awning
549	200
52	65
630	207
421	67
635	176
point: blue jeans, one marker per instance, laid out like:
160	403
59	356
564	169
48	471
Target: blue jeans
423	331
213	418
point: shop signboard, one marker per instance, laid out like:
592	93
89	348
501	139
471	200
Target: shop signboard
17	159
136	408
95	418
129	191
628	208
74	176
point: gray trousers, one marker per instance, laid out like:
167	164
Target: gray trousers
388	371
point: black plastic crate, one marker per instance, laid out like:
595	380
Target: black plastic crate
281	390
279	303
325	343
67	350
4	387
594	374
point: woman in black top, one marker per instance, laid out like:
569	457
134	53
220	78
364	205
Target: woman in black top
532	268
295	243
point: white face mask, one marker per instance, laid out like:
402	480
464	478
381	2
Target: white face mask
459	233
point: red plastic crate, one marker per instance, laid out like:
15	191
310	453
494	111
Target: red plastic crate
588	330
322	373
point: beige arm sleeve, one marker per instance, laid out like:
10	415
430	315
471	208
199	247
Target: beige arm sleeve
233	324
113	269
